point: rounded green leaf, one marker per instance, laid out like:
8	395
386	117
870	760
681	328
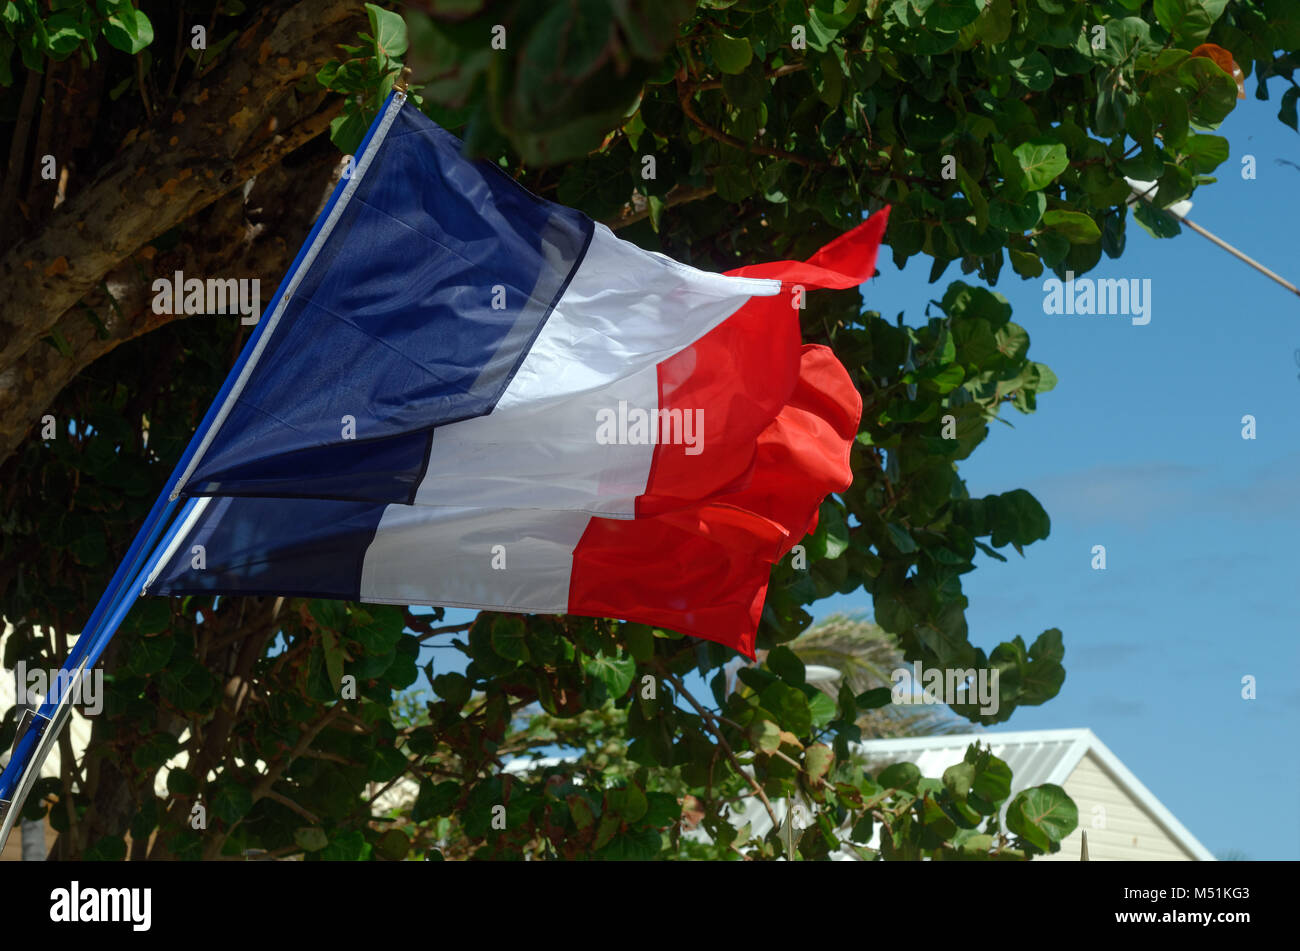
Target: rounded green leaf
128	30
785	664
509	637
1212	92
1043	815
310	838
1041	160
1189	20
900	776
150	654
731	53
393	845
1075	225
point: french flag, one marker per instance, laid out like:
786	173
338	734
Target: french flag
464	395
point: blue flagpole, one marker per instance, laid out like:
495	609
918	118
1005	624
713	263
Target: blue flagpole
33	746
140	548
40	737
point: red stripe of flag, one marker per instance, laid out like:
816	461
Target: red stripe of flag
779	421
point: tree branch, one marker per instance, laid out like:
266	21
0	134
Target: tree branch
709	725
222	136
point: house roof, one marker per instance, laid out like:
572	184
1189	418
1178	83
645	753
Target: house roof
1035	757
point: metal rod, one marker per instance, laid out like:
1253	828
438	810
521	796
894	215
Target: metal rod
1240	255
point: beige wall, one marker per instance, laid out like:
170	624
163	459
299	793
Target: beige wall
1124	832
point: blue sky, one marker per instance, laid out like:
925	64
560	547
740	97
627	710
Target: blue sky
1140	449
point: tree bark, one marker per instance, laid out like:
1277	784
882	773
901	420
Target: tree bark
223	132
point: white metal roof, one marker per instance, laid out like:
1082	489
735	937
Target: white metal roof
1035	757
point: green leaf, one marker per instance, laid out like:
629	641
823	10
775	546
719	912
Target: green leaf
1207	152
731	53
1213	92
822	708
231	801
59	342
329	614
393	845
615	673
434	801
186	684
1126	37
63	34
637	844
901	538
110	848
347	846
949	16
1044	815
1169	113
580	810
1045	675
1041	160
992	784
1017	215
1075	225
510	637
333	657
662	809
378	629
1287	112
817	760
89	549
389	31
900	776
1156	223
310	838
829	79
656	207
748	88
347	130
156	750
1052	247
1026	264
789	706
150	654
639	640
1034	71
1189	20
958	778
786	664
181	783
128	29
628	802
875	698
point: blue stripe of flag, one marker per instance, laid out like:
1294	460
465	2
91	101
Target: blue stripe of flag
416	312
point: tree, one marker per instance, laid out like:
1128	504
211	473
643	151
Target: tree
997	129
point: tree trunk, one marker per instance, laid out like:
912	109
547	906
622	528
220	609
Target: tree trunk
223	132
